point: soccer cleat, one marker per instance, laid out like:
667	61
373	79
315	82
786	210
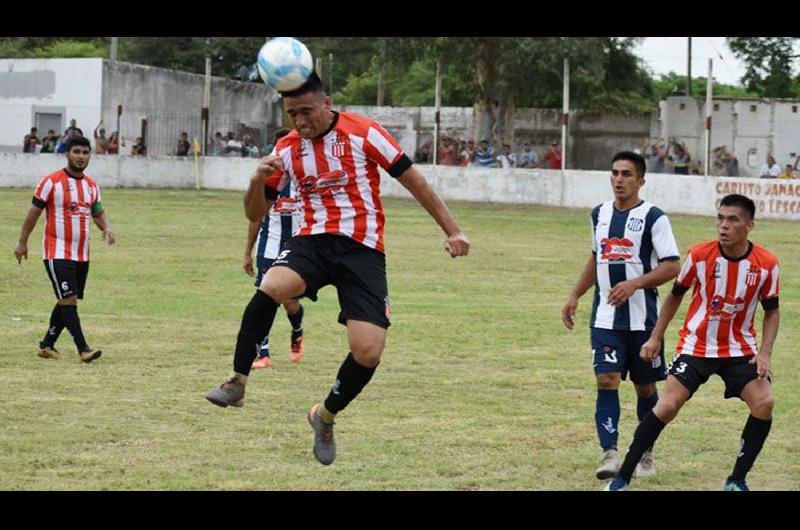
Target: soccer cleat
90	355
48	352
297	350
616	484
230	393
324	444
261	362
735	485
609	465
646	466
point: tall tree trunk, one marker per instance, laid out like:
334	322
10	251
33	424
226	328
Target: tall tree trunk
486	76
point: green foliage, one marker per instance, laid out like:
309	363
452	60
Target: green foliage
770	64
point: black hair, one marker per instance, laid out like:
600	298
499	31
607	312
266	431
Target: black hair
630	156
78	140
280	133
312	84
745	203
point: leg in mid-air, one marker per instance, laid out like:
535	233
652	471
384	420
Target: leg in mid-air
294	312
279	285
366	341
263	360
758	396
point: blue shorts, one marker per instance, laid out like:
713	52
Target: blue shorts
618	352
263	265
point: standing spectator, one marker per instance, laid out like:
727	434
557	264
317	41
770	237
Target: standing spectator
183	145
770	170
788	173
484	155
233	147
467	150
113	144
139	148
72	127
217	146
248	147
507	159
49	142
100	140
730	163
655	158
447	152
680	159
69	133
529	157
30	141
553	156
423	153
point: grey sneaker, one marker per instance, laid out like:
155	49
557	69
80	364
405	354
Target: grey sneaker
646	467
609	465
324	445
90	355
229	393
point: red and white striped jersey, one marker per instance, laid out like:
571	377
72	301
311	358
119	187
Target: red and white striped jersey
337	178
720	320
68	204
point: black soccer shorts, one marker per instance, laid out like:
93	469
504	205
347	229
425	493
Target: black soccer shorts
67	276
357	271
693	372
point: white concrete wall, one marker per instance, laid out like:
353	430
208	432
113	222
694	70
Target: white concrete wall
581	189
77	89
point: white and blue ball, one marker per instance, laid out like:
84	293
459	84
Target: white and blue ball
284	63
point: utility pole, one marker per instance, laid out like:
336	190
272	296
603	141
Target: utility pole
114	48
689	70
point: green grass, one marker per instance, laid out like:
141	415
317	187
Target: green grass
480	387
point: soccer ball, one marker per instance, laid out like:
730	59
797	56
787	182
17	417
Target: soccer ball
284	63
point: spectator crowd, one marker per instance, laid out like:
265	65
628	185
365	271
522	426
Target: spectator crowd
468	153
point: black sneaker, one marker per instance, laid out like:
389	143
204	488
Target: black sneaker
229	393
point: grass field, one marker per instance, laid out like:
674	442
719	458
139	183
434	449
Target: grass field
480	387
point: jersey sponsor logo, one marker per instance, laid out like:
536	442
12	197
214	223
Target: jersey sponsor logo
751	280
616	249
78	208
720	308
635	224
327	183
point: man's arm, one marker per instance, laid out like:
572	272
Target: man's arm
101	220
664	272
457	243
769	333
651	349
586	280
256	203
252	235
27	227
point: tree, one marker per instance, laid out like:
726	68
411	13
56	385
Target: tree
769	60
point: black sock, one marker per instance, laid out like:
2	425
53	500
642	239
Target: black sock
56	326
69	316
753	436
256	323
296	321
643	439
350	380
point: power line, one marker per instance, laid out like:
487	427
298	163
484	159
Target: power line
722	58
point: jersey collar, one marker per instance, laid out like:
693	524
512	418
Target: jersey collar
330	127
740	258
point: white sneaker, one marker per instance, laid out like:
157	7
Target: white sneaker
609	465
646	466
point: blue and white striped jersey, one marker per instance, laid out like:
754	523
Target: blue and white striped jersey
280	223
628	244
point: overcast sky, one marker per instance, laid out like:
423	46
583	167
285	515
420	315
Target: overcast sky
665	54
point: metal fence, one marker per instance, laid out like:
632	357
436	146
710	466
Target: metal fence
162	132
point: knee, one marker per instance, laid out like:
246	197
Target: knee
368	355
276	293
608	381
666	409
762	407
645	391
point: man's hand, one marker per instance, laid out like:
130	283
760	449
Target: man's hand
21	252
268	165
620	293
763	365
650	349
457	245
109	236
568	312
248	265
